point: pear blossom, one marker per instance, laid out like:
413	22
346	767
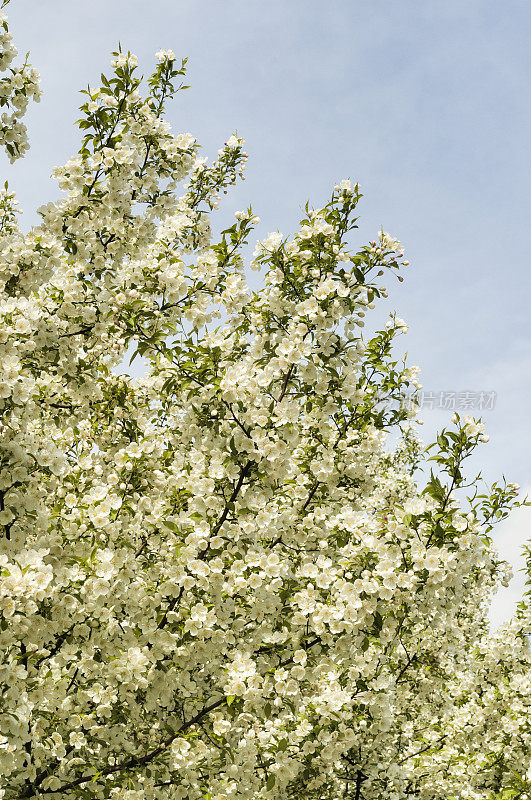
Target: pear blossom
236	575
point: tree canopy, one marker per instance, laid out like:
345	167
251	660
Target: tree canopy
239	574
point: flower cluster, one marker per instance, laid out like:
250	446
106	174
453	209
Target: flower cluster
228	577
17	88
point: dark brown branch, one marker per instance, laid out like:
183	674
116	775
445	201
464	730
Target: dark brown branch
131	763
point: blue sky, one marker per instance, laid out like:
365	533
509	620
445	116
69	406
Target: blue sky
425	104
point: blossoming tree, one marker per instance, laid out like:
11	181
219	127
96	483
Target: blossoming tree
217	580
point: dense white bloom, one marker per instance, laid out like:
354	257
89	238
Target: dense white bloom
221	579
17	88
